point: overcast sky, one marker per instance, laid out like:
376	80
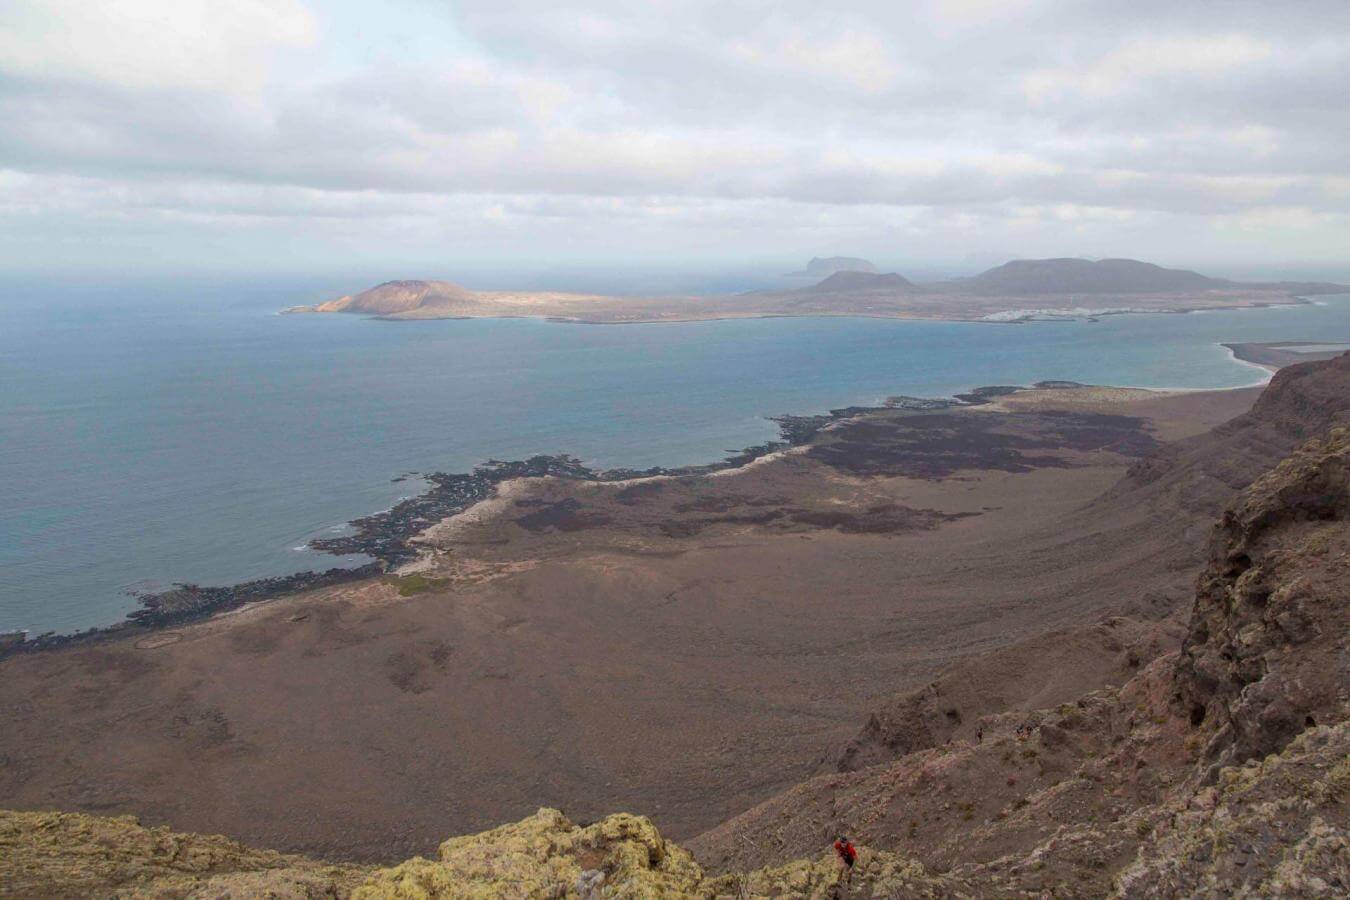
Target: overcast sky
274	134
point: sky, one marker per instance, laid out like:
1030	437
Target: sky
426	136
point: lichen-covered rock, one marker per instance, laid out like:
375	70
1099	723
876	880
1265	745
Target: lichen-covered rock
1265	655
547	856
48	854
1270	828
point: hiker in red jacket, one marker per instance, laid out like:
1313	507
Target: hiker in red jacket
848	855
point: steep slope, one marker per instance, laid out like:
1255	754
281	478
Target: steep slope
1089	789
1205	471
1159	496
1275	827
1054	668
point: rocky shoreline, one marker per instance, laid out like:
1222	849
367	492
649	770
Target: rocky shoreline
387	537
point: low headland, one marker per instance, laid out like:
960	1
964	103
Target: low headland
389	537
1273	355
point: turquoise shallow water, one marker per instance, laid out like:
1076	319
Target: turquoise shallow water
162	433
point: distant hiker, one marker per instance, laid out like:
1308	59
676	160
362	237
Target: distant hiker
848	855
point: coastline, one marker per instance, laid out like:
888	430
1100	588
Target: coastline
1011	316
684	616
388	536
1239	354
1273	355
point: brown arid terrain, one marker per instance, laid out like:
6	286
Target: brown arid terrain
1015	291
1219	768
679	647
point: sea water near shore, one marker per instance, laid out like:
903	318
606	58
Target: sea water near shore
185	432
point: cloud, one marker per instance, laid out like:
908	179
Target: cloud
957	14
851	56
1139	61
544	125
152	44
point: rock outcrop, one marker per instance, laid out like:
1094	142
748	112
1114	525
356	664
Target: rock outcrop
544	856
1266	654
48	854
1274	827
547	856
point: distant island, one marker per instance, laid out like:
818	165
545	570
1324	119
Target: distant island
820	267
1016	291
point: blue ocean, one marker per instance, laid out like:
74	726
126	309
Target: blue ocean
183	431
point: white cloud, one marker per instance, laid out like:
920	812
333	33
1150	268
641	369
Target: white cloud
973	13
1133	64
553	123
850	56
157	44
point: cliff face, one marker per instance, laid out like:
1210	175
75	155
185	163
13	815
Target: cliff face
1265	657
1205	472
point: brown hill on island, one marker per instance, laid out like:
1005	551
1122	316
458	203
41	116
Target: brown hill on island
862	281
395	297
1032	277
1115	277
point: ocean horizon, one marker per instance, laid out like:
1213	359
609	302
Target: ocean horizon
184	432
